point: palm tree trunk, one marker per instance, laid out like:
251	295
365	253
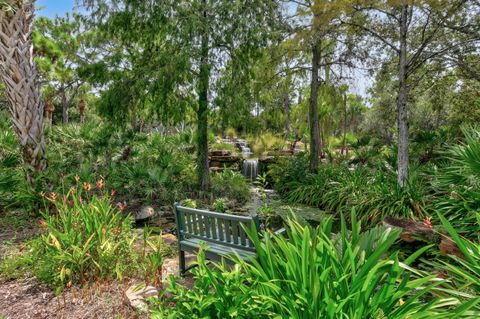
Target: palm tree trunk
19	75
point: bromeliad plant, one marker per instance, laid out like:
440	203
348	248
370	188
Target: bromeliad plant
84	237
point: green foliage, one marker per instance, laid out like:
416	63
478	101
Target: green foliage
336	188
142	168
217	292
230	184
84	238
457	183
15	192
187	202
266	142
308	273
223	146
313	273
220	205
465	270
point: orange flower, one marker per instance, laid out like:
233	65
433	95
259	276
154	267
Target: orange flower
427	222
87	186
42	194
77	179
53	197
80	201
100	184
64	199
43	223
113	192
121	206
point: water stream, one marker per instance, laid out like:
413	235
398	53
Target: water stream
250	169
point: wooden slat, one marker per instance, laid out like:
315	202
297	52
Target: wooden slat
228	231
235	232
195	224
214	214
207	226
213	227
222	243
188	223
221	235
243	236
201	224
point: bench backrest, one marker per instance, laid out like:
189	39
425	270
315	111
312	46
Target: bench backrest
218	228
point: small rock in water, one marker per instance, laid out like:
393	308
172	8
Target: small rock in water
137	294
145	213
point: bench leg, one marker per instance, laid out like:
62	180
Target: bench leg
181	262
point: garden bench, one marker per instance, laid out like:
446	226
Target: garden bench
223	234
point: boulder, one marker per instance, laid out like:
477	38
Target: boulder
137	294
219	153
145	213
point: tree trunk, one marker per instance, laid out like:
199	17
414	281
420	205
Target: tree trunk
344	150
313	109
286	111
65	107
202	114
402	156
20	77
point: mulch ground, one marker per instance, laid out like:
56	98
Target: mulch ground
25	299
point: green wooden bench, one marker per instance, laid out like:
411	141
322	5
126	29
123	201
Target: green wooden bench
223	234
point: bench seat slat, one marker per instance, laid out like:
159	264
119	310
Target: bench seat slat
216	242
193	244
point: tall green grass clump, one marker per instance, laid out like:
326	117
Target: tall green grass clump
84	237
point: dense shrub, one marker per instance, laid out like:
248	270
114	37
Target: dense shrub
457	183
14	190
143	168
232	185
336	188
266	142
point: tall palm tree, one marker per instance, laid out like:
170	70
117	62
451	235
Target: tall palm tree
19	75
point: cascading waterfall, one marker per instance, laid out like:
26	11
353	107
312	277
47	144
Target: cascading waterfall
250	168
